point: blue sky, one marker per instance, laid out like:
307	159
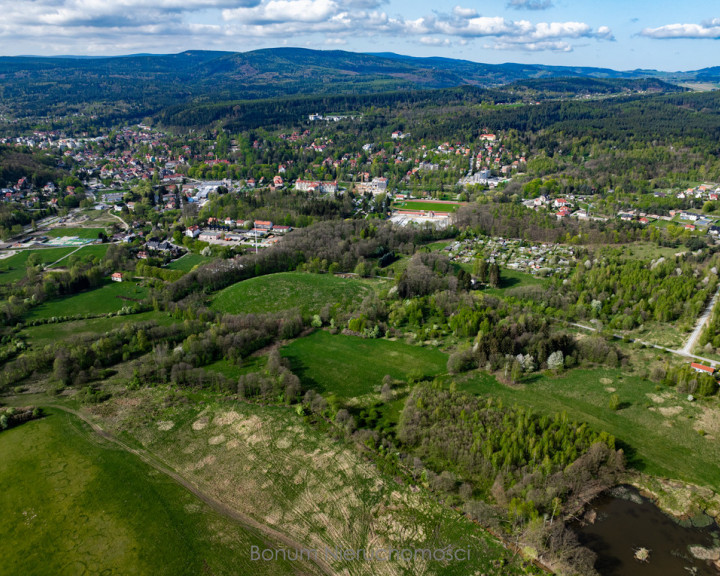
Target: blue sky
620	34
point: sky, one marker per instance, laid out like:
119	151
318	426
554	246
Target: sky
618	34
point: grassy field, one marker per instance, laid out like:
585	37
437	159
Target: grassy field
672	335
267	462
514	279
98	250
91	508
188	262
251	364
649	251
84	253
656	426
308	292
49	333
509	279
82	233
350	366
437	246
110	297
12	269
434	206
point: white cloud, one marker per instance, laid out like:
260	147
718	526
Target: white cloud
284	11
434	41
461	12
116	26
534	46
530	4
709	29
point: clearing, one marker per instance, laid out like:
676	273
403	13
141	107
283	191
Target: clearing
351	366
110	297
286	290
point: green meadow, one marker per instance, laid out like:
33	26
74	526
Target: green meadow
286	290
49	333
12	269
188	262
661	432
110	297
73	503
514	279
352	366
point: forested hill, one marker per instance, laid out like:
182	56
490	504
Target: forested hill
541	88
144	84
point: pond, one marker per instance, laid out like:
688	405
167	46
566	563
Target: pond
621	524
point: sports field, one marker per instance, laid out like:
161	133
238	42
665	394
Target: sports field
82	233
431	206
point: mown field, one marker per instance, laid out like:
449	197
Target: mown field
110	297
82	233
84	253
286	290
657	427
188	262
74	503
350	366
13	268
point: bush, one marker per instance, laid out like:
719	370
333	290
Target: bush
461	361
614	402
707	387
556	360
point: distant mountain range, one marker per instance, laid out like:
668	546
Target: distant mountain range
146	83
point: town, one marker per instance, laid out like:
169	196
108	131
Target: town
301	299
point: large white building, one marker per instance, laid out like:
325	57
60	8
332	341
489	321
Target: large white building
316	186
375	186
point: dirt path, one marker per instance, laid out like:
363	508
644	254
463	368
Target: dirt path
66	256
219	507
122	222
651	345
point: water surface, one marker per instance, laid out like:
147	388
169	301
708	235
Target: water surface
627	522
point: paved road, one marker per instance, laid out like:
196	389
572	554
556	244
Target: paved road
239	517
690	344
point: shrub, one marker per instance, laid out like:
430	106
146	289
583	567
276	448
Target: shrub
461	361
707	386
614	402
